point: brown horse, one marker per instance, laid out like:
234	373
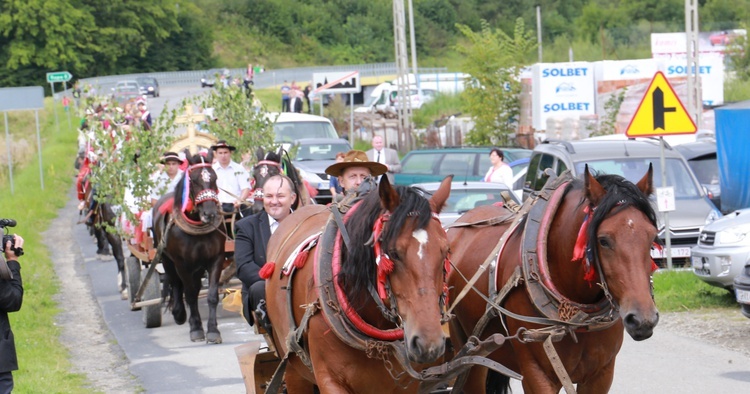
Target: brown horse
575	270
271	164
194	245
395	296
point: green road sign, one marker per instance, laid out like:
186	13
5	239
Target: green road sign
59	76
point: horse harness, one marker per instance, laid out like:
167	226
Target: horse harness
354	332
562	316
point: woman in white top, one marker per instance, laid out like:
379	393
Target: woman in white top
499	172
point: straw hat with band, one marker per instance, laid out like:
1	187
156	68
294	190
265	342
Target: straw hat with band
356	158
171	156
223	144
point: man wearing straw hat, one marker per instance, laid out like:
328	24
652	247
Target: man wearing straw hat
354	169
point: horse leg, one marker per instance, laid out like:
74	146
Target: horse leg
192	288
177	290
101	241
116	243
214	336
599	382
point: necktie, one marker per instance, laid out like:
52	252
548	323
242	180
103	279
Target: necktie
378	159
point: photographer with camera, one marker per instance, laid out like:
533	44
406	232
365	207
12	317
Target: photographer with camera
11	297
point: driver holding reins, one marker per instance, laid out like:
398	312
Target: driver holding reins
233	181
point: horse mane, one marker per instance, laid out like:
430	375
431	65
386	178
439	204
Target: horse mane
621	194
358	269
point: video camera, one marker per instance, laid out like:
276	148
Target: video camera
4	224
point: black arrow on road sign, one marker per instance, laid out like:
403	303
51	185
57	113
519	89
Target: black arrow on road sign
660	109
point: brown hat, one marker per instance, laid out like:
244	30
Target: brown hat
170	156
356	158
223	144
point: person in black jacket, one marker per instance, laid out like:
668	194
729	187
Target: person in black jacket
251	240
11	297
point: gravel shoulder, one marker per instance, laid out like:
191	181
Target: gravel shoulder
93	349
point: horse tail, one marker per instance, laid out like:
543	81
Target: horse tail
497	383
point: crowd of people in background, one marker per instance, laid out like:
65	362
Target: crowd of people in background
293	98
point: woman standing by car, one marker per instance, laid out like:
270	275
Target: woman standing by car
499	172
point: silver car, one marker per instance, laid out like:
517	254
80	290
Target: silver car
311	156
467	195
723	247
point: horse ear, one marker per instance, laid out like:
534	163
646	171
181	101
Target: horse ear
594	190
188	156
438	199
646	184
389	198
260	154
210	156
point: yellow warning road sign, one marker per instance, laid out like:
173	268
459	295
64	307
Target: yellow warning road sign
661	112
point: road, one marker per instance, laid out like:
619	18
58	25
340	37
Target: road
163	359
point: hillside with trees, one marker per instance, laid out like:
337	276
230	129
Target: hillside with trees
90	38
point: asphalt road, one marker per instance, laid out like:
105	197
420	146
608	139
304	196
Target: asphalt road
164	360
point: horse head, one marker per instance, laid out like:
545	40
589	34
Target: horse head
408	267
197	194
266	167
621	231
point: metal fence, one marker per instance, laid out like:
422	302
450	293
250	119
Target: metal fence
262	80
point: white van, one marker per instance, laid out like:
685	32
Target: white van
290	127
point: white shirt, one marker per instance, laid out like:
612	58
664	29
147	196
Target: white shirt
272	223
504	174
163	184
233	178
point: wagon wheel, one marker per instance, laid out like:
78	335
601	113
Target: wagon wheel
133	275
152	313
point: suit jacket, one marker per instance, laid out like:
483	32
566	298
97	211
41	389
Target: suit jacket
11	297
295	104
250	243
391	159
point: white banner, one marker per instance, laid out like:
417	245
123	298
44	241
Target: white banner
562	91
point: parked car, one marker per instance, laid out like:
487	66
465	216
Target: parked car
723	248
742	289
149	86
724	37
630	158
125	91
289	127
214	76
701	157
416	96
466	164
311	156
467	195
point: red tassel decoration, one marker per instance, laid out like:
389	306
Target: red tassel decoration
300	260
385	267
267	270
579	251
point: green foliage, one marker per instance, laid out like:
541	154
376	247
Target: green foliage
494	61
683	291
441	107
243	122
609	120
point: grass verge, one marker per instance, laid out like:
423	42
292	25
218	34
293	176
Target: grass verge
43	360
677	291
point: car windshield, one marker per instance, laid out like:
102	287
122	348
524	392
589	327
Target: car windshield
462	200
146	81
126	86
292	131
706	170
319	151
633	170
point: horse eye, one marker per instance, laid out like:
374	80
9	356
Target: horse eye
603	242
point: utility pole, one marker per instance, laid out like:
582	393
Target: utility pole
413	45
539	30
695	94
402	69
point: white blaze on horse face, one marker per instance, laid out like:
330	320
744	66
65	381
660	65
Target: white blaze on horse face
630	223
421	237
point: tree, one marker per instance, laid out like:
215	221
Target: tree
494	61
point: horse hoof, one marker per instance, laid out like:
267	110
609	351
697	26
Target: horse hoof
197	336
124	294
179	318
214	338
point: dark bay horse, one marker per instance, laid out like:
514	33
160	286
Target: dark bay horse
386	278
189	221
572	277
103	223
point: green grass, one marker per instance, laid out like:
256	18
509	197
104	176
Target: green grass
43	361
683	291
443	106
270	97
736	90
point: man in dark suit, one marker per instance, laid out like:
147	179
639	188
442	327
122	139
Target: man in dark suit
252	237
295	101
11	297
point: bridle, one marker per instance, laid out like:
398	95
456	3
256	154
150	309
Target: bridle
262	166
190	202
